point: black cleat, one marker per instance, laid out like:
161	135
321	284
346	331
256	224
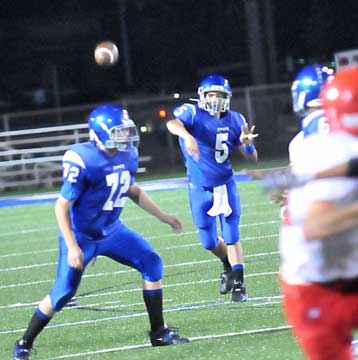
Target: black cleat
238	292
22	350
225	282
165	336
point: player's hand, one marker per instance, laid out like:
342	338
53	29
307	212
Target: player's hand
75	257
174	222
279	197
247	135
192	148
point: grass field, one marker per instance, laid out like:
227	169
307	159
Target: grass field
107	319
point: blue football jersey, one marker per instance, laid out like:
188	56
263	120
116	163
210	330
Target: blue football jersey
97	184
315	123
216	139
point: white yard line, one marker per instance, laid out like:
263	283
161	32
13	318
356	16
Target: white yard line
39	251
111	273
22	305
196	338
175	308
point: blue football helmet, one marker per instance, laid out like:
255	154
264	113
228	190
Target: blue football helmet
306	87
111	127
214	104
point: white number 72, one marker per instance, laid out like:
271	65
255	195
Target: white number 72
113	181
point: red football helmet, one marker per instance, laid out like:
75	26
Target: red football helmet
340	101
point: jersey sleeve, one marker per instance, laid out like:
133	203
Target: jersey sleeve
73	175
186	114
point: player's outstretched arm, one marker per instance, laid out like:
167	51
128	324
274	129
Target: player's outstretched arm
143	200
176	127
324	219
75	255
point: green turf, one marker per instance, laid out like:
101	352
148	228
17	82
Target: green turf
109	313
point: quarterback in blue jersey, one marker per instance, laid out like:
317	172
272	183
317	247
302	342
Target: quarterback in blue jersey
208	134
98	176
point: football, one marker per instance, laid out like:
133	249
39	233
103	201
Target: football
106	53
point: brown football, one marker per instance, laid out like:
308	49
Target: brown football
106	53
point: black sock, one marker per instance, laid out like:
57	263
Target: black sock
153	300
226	264
238	274
38	321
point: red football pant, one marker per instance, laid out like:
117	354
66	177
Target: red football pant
322	319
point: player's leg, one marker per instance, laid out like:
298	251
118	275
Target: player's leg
64	288
130	248
231	234
200	202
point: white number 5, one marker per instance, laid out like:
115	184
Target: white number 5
221	148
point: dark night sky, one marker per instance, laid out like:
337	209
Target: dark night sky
170	42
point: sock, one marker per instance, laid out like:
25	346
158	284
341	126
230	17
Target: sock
238	272
226	264
38	321
153	300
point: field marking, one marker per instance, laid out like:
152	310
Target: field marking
111	273
195	338
182	307
17	305
29	231
159	236
39	251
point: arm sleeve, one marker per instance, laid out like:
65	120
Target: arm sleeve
186	114
73	175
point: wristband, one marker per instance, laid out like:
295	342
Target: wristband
249	149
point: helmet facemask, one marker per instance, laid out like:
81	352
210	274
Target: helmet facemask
214	102
121	137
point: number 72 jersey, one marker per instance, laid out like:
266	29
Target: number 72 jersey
216	139
97	184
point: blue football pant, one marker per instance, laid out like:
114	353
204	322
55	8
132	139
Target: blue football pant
201	201
123	245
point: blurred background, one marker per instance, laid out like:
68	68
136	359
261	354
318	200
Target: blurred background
49	80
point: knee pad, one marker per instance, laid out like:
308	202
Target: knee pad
151	267
208	238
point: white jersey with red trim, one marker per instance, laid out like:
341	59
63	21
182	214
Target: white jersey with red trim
335	257
295	146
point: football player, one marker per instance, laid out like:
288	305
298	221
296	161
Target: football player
307	105
319	271
208	134
98	176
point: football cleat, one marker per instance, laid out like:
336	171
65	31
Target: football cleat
225	282
238	292
165	336
21	350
